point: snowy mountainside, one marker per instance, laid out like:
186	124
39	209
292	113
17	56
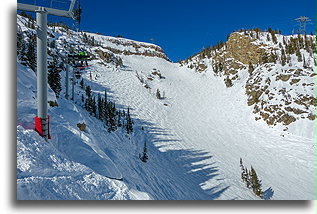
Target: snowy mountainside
195	133
277	71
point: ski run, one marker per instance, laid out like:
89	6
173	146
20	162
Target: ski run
195	134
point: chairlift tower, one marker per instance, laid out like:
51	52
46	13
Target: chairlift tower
42	119
302	23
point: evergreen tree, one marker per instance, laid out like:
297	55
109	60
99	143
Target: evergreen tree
306	43
23	57
144	157
273	57
245	176
304	62
158	94
256	183
299	55
228	82
242	173
23	14
93	41
220	67
215	68
248	178
90	105
54	78
300	40
251	68
88	91
129	123
87	103
119	62
85	38
112	122
268	37
283	58
53	44
19	42
30	56
93	106
119	123
82	83
284	41
274	37
100	107
313	45
105	112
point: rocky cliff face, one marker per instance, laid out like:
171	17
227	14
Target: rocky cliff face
126	47
241	48
278	73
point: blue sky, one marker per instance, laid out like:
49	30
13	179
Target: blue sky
183	27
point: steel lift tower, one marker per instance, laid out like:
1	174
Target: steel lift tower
42	119
302	23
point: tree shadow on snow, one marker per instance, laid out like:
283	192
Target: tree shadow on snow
173	173
268	194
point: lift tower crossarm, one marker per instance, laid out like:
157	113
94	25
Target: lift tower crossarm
52	11
72	4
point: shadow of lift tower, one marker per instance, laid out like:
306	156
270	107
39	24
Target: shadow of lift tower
42	119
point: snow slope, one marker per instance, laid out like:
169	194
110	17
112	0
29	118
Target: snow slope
195	135
202	115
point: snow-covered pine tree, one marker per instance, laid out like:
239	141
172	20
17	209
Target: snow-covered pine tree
19	42
129	123
100	107
244	175
144	157
112	122
86	104
299	55
88	91
158	94
274	37
249	178
93	106
228	82
82	83
53	77
23	57
283	57
53	44
256	183
119	123
106	112
30	56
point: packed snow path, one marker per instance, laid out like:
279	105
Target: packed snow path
202	115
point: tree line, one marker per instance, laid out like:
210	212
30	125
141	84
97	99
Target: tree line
250	178
106	111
